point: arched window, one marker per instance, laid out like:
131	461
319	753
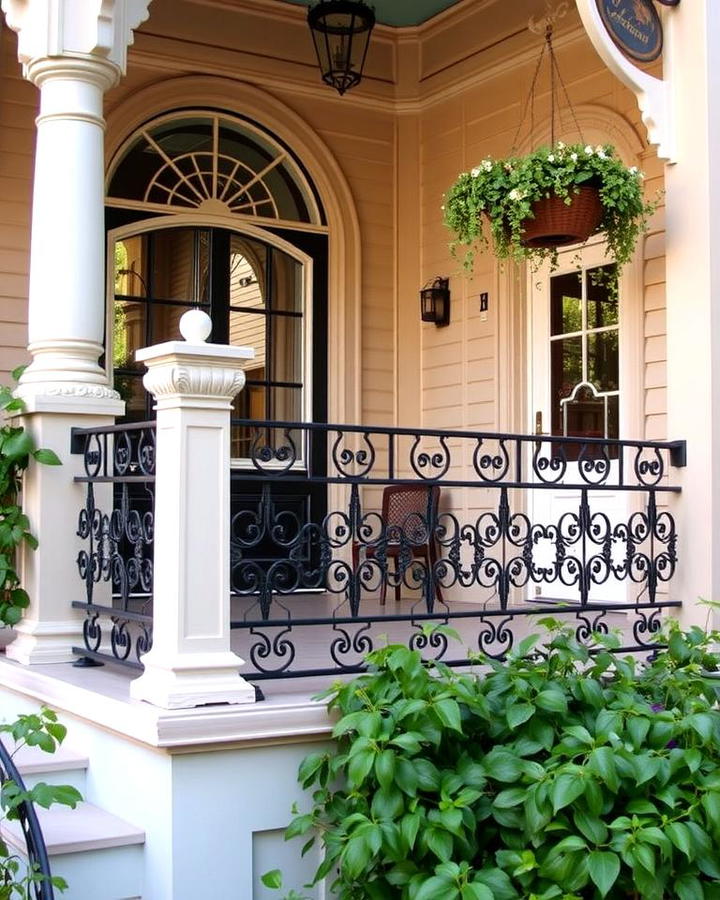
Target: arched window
208	210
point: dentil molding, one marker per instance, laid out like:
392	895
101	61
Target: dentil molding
60	28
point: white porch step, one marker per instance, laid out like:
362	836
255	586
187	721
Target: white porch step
64	766
98	854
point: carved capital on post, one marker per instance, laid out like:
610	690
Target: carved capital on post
197	378
57	28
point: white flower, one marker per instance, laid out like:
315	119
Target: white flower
487	164
508	167
560	145
633	170
589	150
475	172
601	153
443	207
573	157
516	194
551	157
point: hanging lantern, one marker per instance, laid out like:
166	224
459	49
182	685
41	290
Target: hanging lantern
341	33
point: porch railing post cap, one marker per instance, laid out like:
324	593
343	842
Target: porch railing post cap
195	326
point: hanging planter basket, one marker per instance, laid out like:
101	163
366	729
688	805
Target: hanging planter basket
526	206
555	223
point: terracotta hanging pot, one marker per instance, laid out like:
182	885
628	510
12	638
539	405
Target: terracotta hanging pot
557	224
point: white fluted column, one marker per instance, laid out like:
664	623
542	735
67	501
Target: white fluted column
194	384
73	52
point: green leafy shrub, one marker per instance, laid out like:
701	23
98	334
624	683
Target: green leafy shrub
16	451
35	730
553	774
488	206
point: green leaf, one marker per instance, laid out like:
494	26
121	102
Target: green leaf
18	445
440	843
703	724
509	798
476	891
502	765
385	768
688	887
47	457
448	712
355	857
360	766
680	836
436	888
565	789
602	762
272	879
552	701
592	827
518	713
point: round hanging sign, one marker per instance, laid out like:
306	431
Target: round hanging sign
634	26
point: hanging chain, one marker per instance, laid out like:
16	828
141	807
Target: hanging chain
544	25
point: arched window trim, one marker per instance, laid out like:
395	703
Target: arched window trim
284	156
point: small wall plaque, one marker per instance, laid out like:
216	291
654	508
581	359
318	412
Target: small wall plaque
634	26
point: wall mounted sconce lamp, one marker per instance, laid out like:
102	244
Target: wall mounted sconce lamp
341	33
435	302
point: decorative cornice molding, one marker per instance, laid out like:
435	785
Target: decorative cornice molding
64	28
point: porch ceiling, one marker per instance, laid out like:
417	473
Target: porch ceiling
401	13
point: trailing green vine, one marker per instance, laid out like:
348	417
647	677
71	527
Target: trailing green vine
17	449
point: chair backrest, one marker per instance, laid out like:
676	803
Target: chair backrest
407	507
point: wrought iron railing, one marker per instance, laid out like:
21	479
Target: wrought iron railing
323	564
116	525
469	554
39	886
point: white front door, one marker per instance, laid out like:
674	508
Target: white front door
575	391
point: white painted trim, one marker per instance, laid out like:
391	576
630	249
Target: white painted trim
103	699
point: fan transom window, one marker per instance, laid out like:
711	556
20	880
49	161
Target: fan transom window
212	163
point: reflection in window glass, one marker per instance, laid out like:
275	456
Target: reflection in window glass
603	360
602	296
566	304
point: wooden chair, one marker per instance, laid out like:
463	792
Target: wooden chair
409	515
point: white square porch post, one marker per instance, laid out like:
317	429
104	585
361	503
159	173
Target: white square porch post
194	383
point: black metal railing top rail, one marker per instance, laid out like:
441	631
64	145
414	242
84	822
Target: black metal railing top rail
40	886
387	455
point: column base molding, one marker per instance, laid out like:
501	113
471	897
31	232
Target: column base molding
192	679
44	643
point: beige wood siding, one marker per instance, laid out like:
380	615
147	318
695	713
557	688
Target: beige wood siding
17	135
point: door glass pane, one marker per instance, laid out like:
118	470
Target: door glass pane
602	360
287	283
248	268
566	372
130	260
565	304
249	329
165	321
602	296
181	265
129	329
287	349
286	404
132	391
